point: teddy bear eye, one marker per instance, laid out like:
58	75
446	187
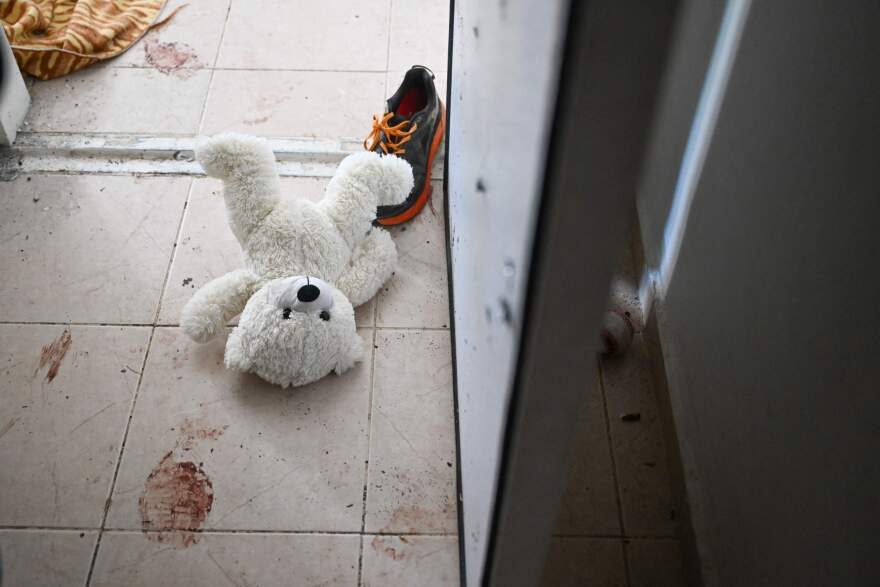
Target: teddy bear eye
286	313
324	315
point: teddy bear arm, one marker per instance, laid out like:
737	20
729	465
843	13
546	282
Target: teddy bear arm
371	265
251	187
216	303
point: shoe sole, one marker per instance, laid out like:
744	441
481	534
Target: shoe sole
423	198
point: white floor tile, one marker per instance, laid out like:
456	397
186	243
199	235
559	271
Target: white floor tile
87	248
417	295
66	400
301	34
655	563
190	40
426	561
637	442
294	103
419	34
205	250
589	504
109	99
46	558
258	460
576	562
411	485
275	459
131	559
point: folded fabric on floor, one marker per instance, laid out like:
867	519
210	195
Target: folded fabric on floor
51	38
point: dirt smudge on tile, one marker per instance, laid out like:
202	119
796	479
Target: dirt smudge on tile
266	102
378	544
417	519
52	354
178	59
176	501
7	427
255	121
192	431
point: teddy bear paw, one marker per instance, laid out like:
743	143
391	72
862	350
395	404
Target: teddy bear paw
198	328
231	154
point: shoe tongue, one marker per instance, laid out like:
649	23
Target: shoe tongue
395	120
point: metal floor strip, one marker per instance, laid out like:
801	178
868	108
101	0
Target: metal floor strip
124	154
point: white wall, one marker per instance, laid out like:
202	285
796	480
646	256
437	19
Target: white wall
769	322
505	59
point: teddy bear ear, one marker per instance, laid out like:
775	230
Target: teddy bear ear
236	357
353	353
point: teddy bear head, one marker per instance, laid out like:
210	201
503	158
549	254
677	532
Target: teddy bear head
294	331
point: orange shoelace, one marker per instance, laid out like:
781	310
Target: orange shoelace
387	144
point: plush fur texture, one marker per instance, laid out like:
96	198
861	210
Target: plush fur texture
287	240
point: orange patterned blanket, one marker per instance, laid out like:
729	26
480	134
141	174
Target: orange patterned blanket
51	38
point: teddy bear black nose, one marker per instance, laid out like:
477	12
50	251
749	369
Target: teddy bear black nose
308	293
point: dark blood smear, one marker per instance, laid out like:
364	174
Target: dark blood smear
176	501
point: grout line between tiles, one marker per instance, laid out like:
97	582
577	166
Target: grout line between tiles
291	532
261	69
119	459
176	325
617	494
95	324
388	37
205	104
174	250
21	528
137	390
369	441
213	69
360	571
429	328
126	133
223	531
388	51
617	537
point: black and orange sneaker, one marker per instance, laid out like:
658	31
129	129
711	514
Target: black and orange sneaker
411	128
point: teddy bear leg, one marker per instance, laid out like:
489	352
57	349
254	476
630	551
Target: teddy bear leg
217	302
361	183
372	264
251	186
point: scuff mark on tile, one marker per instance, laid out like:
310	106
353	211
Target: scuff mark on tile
418	519
191	431
255	121
267	101
93	416
176	501
380	547
178	59
8	426
52	355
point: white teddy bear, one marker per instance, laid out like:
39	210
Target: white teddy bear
307	264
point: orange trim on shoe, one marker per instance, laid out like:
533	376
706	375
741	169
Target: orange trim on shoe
420	202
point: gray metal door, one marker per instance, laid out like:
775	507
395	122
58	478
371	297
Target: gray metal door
550	105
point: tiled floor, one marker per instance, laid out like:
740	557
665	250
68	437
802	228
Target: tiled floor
617	525
348	480
292	68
